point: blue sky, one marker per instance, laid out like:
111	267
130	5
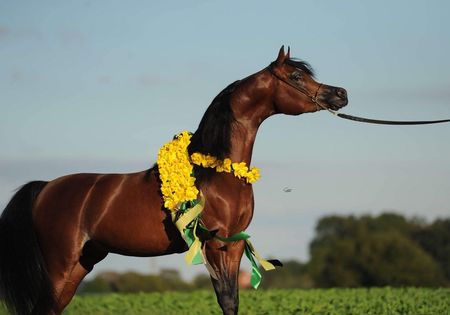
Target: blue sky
99	86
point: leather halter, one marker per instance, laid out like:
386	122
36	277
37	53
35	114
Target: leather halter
313	98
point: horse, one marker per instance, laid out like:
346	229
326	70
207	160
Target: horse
53	233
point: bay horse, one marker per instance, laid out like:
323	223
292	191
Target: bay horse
53	233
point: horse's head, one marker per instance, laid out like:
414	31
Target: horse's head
296	91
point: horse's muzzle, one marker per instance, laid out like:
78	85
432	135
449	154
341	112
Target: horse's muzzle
335	98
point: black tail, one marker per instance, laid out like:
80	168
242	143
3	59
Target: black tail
25	287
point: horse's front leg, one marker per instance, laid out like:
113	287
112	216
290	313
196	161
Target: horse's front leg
225	259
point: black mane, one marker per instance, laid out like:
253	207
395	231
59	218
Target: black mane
213	135
302	65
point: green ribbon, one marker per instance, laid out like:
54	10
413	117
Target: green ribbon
187	220
241	236
251	253
187	224
256	276
194	255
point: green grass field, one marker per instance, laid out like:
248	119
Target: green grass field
378	301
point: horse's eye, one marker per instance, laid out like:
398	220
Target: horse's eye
296	76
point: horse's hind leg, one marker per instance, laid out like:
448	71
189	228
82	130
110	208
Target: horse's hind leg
225	259
68	286
67	276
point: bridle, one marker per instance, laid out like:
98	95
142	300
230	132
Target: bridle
314	99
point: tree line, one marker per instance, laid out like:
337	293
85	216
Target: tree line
346	251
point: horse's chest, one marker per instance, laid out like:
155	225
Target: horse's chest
228	208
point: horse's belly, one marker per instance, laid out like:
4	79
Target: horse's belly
145	232
133	221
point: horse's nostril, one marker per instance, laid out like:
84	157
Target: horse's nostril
342	93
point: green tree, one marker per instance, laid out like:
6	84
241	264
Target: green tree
370	251
135	282
293	274
167	280
390	258
202	281
96	285
435	239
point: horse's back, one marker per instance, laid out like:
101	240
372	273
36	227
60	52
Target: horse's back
71	195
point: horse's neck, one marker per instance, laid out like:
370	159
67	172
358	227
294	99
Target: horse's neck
242	141
251	107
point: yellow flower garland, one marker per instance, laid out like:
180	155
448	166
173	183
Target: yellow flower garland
176	170
240	170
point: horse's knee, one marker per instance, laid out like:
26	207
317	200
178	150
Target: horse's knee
225	261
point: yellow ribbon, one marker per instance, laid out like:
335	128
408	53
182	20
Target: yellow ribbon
190	215
194	249
264	263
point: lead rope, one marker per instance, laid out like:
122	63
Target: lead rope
379	121
351	117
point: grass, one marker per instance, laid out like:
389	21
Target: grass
376	301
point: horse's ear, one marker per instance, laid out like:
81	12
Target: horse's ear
281	56
288	55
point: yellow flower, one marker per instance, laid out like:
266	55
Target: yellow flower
175	171
176	168
240	169
196	158
253	175
204	160
225	166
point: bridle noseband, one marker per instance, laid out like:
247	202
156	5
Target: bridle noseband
313	99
